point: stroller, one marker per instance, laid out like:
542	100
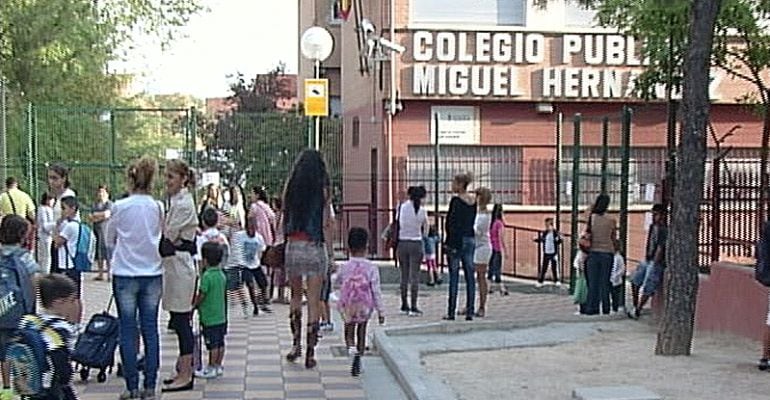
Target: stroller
95	347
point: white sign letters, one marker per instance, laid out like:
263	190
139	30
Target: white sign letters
500	64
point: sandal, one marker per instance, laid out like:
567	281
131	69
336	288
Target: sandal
480	313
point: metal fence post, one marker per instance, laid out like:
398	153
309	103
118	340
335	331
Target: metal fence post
30	131
557	173
113	150
605	152
577	125
624	172
4	130
193	135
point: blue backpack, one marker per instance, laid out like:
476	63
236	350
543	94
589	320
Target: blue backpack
27	355
85	249
17	297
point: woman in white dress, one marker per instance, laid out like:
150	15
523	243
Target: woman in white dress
483	245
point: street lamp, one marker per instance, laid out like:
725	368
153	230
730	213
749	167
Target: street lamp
317	45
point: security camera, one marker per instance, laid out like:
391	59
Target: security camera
392	46
367	27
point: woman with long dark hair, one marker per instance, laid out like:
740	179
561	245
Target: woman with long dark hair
308	224
412	226
603	231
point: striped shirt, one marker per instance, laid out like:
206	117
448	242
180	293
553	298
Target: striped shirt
245	251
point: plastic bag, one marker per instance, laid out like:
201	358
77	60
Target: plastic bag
580	294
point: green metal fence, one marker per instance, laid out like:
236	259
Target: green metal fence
96	143
259	149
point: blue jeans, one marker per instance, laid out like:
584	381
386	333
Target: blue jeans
463	255
140	294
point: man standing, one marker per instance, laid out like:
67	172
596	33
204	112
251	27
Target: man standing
15	201
649	274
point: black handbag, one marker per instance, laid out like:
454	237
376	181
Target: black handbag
166	247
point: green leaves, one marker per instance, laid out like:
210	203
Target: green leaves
57	51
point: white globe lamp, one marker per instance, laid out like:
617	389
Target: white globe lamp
317	44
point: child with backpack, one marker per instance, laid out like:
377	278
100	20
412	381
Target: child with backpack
40	354
360	296
16	263
212	308
70	238
430	243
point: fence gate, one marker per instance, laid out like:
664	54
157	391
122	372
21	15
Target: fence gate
604	176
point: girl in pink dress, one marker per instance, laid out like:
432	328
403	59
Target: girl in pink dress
360	295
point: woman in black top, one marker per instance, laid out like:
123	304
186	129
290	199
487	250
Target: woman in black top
460	244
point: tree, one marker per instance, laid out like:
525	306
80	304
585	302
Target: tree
676	328
262	93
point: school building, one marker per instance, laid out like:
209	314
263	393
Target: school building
495	75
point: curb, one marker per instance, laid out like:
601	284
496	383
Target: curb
406	366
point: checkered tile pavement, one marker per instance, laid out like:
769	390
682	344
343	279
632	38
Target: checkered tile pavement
255	367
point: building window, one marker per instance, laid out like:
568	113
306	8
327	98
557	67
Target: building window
497	167
356	129
469	12
579	16
335	14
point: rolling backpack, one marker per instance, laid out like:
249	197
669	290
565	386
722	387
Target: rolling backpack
95	347
762	271
37	356
17	297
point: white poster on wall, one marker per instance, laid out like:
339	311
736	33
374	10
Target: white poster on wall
456	125
208	178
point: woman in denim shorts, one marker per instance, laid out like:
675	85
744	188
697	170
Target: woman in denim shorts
307	224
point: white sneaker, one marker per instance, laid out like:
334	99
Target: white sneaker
538	285
206	373
558	284
220	370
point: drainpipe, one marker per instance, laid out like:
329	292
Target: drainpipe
392	105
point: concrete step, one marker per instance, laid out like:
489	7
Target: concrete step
614	393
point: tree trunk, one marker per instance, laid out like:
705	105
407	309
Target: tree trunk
764	153
681	277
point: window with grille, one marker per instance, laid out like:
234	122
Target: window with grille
497	167
469	12
356	132
645	177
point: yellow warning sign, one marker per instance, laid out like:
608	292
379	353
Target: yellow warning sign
317	97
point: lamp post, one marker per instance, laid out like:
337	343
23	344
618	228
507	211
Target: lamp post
316	45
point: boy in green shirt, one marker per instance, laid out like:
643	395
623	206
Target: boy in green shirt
212	308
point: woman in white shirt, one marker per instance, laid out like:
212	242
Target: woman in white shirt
58	188
137	276
412	226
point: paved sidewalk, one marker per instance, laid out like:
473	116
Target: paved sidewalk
254	364
256	369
